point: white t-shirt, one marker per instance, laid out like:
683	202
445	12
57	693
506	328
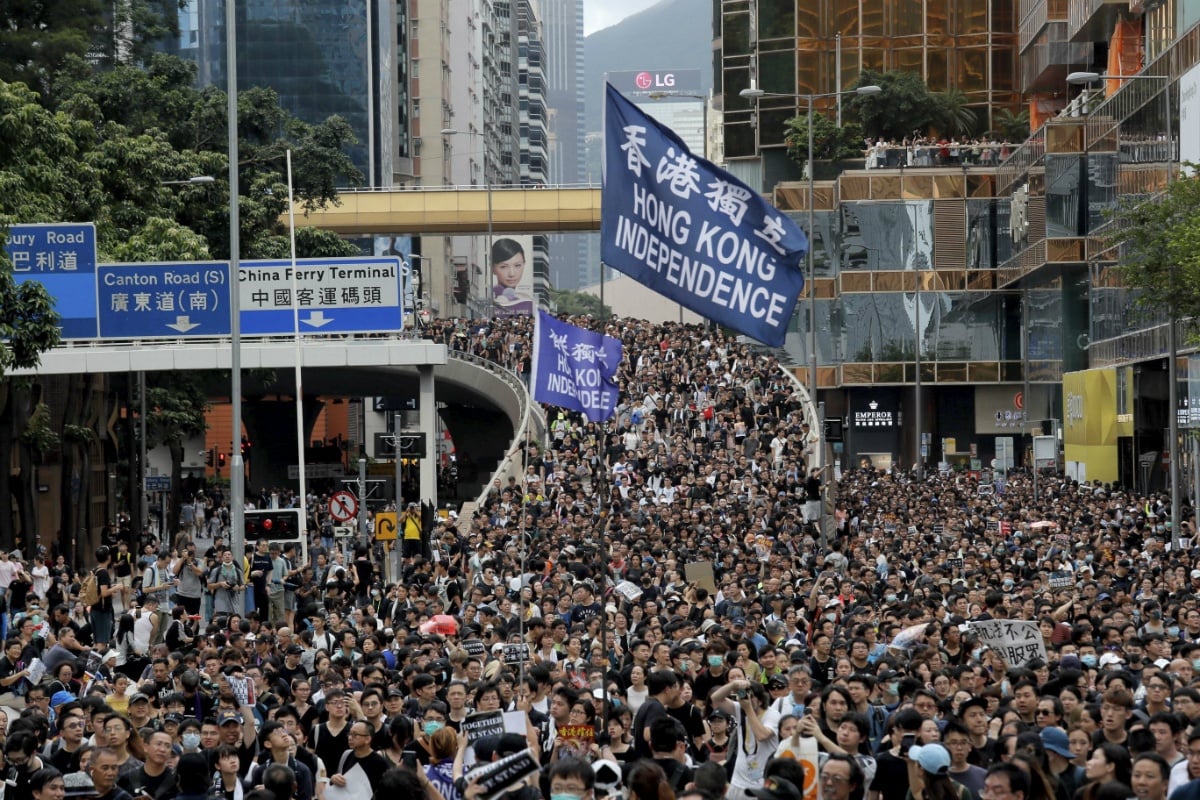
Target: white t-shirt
752	753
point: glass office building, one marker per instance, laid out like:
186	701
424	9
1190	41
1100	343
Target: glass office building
803	47
323	57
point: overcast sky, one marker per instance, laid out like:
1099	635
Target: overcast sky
599	14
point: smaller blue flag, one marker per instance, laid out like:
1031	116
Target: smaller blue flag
574	368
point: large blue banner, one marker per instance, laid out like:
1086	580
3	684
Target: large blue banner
574	368
693	232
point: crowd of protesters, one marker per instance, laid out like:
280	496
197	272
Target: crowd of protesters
691	629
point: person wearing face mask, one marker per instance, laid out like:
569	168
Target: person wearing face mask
189	735
572	779
715	672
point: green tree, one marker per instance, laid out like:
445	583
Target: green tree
175	407
1012	127
1159	247
904	107
576	303
38	36
830	142
956	117
99	148
39	182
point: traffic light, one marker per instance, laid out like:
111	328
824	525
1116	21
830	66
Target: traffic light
245	448
220	461
282	523
208	457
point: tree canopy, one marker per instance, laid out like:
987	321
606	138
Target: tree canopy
568	302
115	144
1158	241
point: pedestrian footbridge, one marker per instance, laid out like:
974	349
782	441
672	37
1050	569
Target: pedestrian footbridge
458	210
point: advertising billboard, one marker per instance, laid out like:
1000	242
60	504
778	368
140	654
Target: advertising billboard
511	261
635	82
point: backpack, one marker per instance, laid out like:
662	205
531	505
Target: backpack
89	590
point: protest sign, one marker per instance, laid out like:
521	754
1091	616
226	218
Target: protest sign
474	647
483	723
577	733
497	776
1062	579
1018	641
515	654
574	368
700	575
629	590
954	563
691	231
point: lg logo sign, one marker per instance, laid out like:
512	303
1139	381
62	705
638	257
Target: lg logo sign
653	80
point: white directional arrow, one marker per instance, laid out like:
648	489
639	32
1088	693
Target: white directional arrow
317	319
183	324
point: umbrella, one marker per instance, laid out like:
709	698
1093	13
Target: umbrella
442	624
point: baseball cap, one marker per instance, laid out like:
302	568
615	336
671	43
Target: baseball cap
60	698
139	697
1055	740
228	716
774	788
295	650
981	702
1109	659
777	682
933	758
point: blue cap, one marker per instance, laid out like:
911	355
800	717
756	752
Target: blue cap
933	758
1055	741
60	698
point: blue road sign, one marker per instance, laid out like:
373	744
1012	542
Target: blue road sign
62	257
147	301
334	295
158	483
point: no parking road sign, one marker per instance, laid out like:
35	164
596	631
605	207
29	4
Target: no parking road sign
343	506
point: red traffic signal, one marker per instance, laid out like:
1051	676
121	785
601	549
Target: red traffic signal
220	459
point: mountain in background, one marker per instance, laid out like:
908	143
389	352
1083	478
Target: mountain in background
673	34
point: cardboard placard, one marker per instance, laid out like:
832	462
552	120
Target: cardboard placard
1018	641
484	723
515	654
700	574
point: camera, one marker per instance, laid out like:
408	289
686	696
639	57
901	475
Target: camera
742	694
906	743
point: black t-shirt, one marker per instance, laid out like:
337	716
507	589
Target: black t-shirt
139	783
103	579
365	572
649	711
374	764
329	747
261	563
891	777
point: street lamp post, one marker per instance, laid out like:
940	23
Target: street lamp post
237	469
754	93
1084	78
487	183
704	125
